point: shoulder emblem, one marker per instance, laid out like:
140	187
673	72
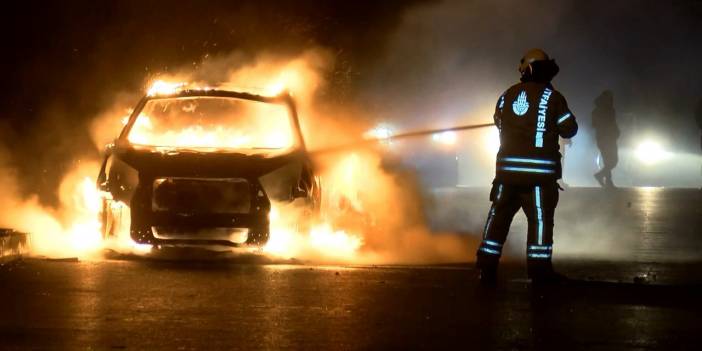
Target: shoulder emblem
520	106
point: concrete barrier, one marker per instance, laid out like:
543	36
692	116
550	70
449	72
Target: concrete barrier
13	244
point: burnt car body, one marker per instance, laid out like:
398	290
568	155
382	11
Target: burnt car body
211	195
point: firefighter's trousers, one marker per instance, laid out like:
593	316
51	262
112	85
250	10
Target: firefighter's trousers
539	204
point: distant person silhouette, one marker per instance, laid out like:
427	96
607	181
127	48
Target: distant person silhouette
564	145
604	120
698	118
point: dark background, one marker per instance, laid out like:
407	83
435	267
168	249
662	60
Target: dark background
64	62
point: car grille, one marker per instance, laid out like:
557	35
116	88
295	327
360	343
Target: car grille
193	195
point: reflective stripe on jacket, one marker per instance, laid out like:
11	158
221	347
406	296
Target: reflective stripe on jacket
531	117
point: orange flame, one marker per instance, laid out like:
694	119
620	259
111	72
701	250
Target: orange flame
77	229
160	87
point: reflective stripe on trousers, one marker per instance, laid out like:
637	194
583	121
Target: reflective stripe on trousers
538	203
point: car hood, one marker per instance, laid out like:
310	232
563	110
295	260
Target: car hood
170	162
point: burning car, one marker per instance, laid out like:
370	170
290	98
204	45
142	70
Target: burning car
202	166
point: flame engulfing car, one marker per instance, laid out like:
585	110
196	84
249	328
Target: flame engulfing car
201	167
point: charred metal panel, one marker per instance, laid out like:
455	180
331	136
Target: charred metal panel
280	183
190	163
122	179
201	195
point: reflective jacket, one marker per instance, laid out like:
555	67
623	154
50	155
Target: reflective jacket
531	116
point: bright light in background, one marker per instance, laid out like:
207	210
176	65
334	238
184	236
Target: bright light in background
650	152
381	131
445	138
491	141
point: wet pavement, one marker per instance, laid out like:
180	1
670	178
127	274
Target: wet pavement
649	298
631	224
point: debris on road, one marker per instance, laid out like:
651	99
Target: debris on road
13	244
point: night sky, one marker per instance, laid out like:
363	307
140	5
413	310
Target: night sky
64	62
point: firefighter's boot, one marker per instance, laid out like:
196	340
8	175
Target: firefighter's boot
542	272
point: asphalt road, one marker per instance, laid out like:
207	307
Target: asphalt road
636	303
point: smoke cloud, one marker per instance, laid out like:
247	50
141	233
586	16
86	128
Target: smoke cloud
441	75
432	75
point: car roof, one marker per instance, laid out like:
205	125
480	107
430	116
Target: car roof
283	98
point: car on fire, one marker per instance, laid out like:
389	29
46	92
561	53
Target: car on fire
202	166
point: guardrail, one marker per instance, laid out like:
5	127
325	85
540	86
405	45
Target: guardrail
13	244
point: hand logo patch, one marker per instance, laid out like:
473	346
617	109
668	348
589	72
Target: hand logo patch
520	106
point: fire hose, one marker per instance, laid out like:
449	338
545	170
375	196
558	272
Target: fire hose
406	135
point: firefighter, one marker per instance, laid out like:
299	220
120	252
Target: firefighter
530	116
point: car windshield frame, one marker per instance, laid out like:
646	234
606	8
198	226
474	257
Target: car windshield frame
283	100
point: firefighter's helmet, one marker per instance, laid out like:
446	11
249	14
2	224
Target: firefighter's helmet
530	57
